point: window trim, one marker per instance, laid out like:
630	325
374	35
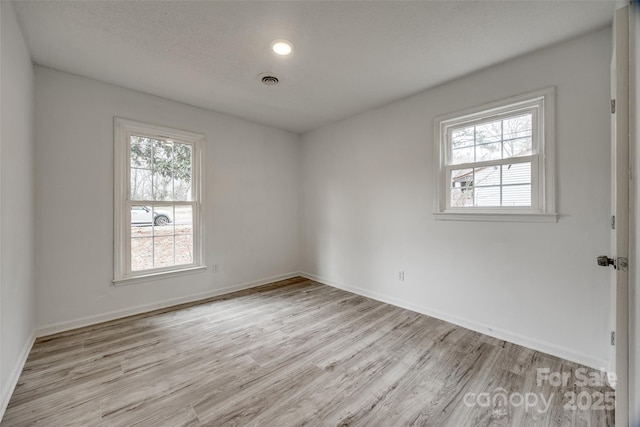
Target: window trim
123	129
543	161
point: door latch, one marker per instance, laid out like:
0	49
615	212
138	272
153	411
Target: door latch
605	261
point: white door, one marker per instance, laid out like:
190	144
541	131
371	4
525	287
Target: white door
620	211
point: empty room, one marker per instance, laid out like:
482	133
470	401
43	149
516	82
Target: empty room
323	213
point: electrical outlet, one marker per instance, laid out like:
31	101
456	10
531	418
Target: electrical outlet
215	268
401	275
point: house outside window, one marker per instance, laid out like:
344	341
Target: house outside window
496	162
157	201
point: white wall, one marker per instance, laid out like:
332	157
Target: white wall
16	203
367	203
251	201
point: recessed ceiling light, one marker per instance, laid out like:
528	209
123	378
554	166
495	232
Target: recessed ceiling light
282	47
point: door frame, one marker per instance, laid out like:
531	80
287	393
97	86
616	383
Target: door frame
634	278
620	207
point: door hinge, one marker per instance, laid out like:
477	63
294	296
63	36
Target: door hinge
613	222
613	338
622	263
613	106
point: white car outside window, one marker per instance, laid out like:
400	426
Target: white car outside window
145	215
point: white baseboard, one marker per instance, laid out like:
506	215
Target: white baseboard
501	334
45	330
14	376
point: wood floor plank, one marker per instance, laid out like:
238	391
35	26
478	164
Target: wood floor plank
292	353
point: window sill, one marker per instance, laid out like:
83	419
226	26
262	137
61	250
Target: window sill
158	275
496	216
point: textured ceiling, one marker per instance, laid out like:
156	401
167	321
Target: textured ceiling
349	56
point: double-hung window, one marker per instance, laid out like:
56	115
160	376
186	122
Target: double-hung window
158	202
495	162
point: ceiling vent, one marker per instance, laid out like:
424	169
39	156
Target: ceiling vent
270	80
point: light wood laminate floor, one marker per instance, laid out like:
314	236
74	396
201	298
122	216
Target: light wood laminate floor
289	354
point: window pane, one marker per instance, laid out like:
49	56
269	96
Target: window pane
461	197
462	137
488	152
184	220
516	195
140	151
487	196
518	136
184	234
141	253
163	251
162	170
163	220
462	155
161	236
519	173
141	216
489	132
489	175
172	171
141	184
461	178
518	147
517	127
184	249
461	187
162	154
496	139
162	185
182	172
